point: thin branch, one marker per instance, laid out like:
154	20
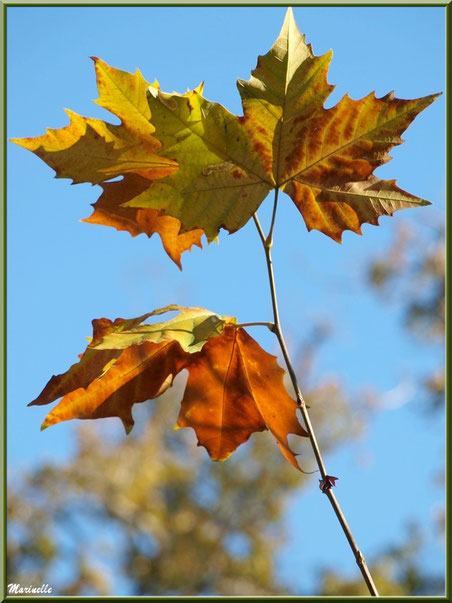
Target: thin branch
267	244
259	228
269	240
269	325
271	277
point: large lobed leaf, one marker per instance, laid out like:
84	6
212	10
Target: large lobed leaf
322	158
234	387
91	150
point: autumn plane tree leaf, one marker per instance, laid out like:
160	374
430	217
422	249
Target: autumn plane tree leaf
98	355
91	150
90	366
322	158
139	373
192	328
234	387
126	362
109	210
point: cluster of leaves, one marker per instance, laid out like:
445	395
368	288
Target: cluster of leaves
230	393
189	167
183	156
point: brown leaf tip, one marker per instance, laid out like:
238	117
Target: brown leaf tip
128	423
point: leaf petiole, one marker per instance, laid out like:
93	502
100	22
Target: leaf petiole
269	239
269	325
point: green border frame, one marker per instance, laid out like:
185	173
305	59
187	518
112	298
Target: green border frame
4	4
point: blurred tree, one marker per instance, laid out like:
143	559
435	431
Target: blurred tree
412	272
150	514
397	571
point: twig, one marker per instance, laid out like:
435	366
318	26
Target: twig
269	240
269	325
267	243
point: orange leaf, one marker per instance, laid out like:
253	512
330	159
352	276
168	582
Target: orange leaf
329	167
234	389
108	211
140	373
91	364
128	362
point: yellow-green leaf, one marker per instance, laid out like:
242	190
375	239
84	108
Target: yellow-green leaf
211	169
124	95
219	184
191	329
285	139
90	150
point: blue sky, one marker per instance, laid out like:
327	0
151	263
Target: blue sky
62	273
